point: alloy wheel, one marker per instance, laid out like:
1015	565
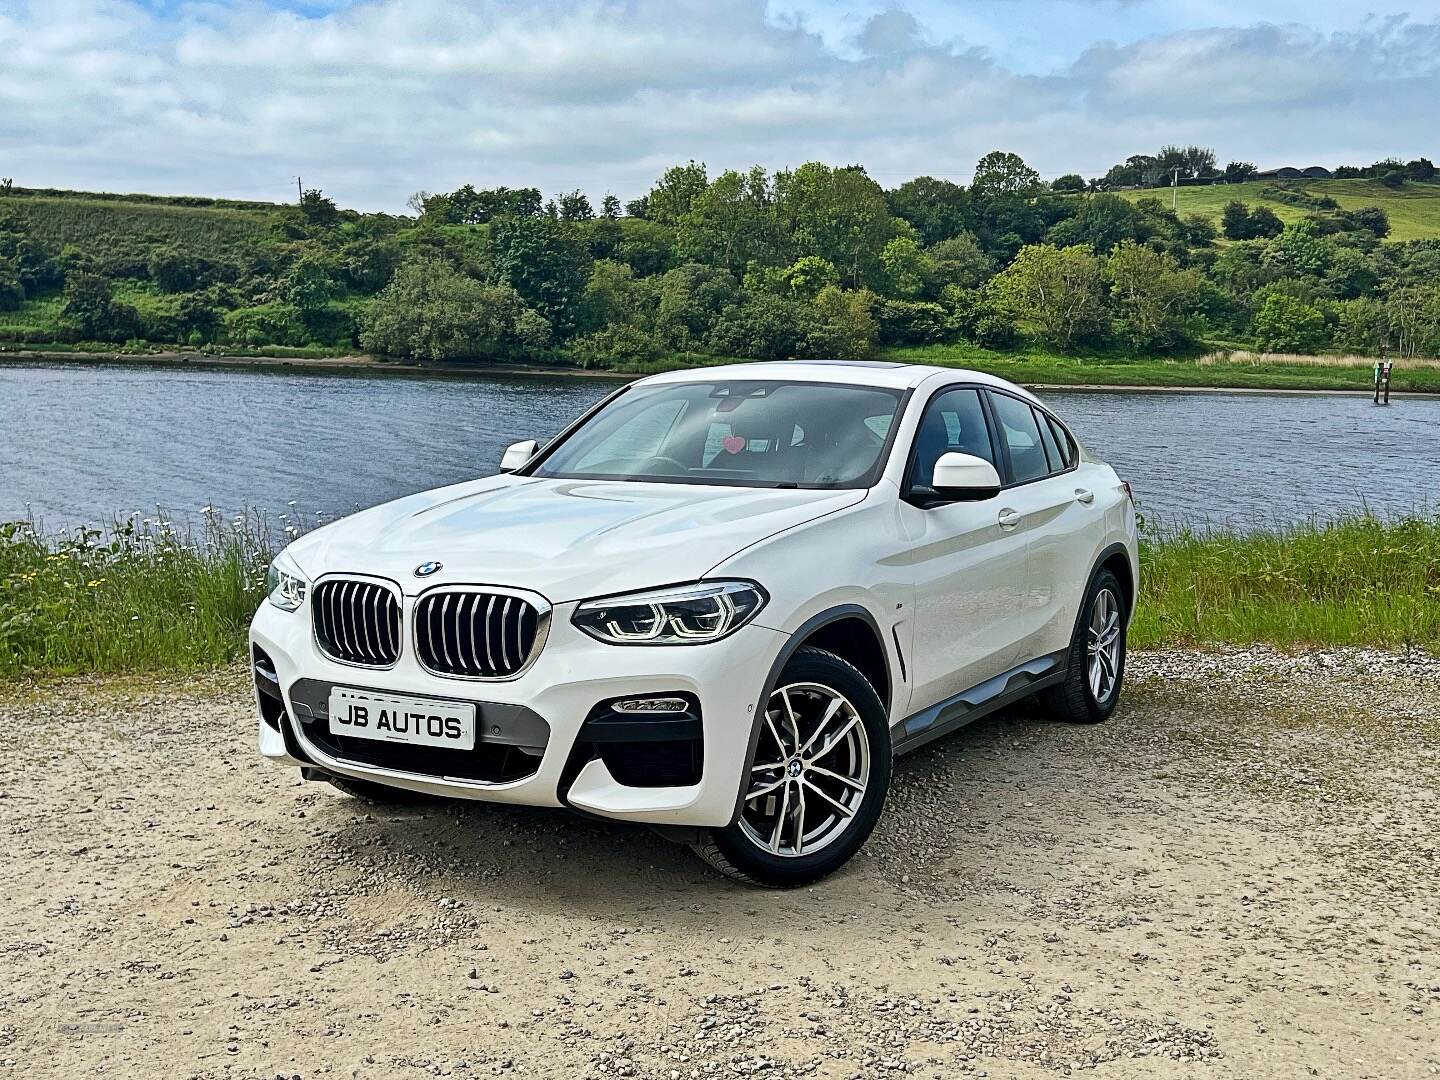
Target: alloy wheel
1102	645
811	771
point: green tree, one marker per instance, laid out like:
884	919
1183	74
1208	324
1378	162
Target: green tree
1238	172
544	261
1265	223
961	261
1069	184
937	209
432	312
612	296
1235	221
647	247
318	210
1151	295
575	206
731	223
1059	289
691	299
846	329
1285	324
838	214
674	193
1003	175
1102	221
909	269
91	312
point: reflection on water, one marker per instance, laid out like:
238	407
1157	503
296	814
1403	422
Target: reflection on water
79	443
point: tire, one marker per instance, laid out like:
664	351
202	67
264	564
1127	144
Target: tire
1080	699
377	794
827	797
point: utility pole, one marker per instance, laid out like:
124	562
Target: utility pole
1175	190
299	190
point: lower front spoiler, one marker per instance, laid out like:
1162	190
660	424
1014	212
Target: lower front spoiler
724	682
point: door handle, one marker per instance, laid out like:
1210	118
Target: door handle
1084	496
1008	518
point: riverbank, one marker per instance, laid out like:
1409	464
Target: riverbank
142	597
1216	372
1232	878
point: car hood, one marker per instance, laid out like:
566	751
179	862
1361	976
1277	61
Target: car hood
565	539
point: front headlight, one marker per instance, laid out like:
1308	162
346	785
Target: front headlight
682	615
285	585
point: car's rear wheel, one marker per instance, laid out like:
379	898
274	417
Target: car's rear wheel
818	779
1095	670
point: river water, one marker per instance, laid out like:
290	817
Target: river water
81	444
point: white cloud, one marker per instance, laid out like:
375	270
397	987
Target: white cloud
374	100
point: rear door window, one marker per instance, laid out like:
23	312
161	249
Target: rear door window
1022	438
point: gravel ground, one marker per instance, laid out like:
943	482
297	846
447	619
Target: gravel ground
1236	877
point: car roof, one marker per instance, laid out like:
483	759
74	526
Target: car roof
850	372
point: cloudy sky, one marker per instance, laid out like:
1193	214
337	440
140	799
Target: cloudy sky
373	99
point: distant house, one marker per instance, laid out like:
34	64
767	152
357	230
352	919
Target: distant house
1289	172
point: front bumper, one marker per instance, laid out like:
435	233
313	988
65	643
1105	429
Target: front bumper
572	673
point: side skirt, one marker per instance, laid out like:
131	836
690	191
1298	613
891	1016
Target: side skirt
964	708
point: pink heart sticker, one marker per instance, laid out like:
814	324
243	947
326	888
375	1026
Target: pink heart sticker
733	444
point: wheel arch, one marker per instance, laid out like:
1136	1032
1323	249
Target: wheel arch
850	626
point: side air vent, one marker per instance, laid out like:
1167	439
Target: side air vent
477	633
357	621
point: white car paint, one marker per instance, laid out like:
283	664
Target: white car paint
957	597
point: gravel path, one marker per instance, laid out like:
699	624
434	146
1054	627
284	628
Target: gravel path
1236	877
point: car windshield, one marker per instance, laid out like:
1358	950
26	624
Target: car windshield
755	434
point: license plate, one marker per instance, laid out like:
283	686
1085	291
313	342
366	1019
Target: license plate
364	714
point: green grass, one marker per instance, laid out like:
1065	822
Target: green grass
1039	366
137	596
1356	580
142	597
101	227
1414	210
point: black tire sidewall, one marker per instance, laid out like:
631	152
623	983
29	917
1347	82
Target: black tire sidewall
817	666
1105	579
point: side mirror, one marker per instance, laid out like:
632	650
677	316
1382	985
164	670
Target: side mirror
965	477
517	454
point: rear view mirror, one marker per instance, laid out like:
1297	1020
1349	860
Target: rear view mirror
965	476
517	454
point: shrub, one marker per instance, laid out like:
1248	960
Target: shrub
432	312
911	322
91	313
616	346
1285	324
266	324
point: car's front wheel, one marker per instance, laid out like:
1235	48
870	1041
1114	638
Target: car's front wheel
818	780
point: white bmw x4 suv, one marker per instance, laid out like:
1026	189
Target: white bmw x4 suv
718	603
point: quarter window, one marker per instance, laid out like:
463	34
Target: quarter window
1063	440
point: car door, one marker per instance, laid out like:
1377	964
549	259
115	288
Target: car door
1056	514
967	569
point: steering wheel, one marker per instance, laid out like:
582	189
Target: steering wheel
671	467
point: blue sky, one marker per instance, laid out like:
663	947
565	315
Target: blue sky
373	99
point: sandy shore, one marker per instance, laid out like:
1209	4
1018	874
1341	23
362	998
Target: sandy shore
1234	878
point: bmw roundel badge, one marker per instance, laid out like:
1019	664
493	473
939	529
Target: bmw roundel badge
425	569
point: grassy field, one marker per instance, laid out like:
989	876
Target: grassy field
1216	369
101	227
143	597
1414	210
